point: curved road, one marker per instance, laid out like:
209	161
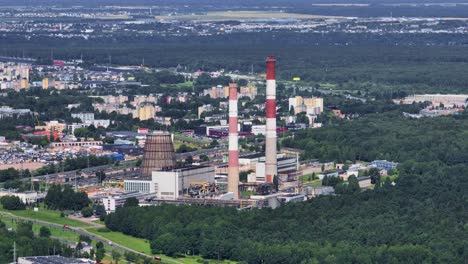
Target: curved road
82	231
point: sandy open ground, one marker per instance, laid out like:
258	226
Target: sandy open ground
32	166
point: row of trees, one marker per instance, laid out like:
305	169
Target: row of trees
70	164
27	244
65	198
12	203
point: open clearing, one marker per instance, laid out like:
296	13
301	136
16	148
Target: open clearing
243	15
32	166
46	216
134	243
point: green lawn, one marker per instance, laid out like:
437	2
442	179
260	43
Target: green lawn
134	243
247	193
308	177
98	222
55	232
314	183
177	145
178	85
195	141
47	216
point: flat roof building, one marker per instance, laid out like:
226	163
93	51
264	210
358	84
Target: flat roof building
171	183
113	202
52	260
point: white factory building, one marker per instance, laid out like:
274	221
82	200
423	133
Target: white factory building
170	184
113	202
286	165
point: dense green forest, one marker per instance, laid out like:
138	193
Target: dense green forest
388	136
422	219
413	62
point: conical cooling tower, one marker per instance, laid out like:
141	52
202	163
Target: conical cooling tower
159	153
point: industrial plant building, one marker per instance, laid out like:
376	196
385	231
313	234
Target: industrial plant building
171	184
166	181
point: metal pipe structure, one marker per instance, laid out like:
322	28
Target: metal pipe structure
270	137
233	170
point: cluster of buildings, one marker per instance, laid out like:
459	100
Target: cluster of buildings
68	75
312	106
447	100
220	91
142	107
439	104
14	75
163	180
87	119
6	111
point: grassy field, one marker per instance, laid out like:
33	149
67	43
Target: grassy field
194	141
134	243
247	193
308	177
47	216
177	145
55	232
314	183
142	245
98	222
242	15
179	85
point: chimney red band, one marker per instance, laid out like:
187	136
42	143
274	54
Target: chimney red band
232	91
271	74
233	158
233	128
270	108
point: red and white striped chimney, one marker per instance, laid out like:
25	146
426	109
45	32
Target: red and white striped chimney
270	137
233	170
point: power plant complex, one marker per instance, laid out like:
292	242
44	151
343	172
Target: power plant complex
163	180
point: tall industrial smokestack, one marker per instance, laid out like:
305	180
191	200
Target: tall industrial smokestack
233	170
270	138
